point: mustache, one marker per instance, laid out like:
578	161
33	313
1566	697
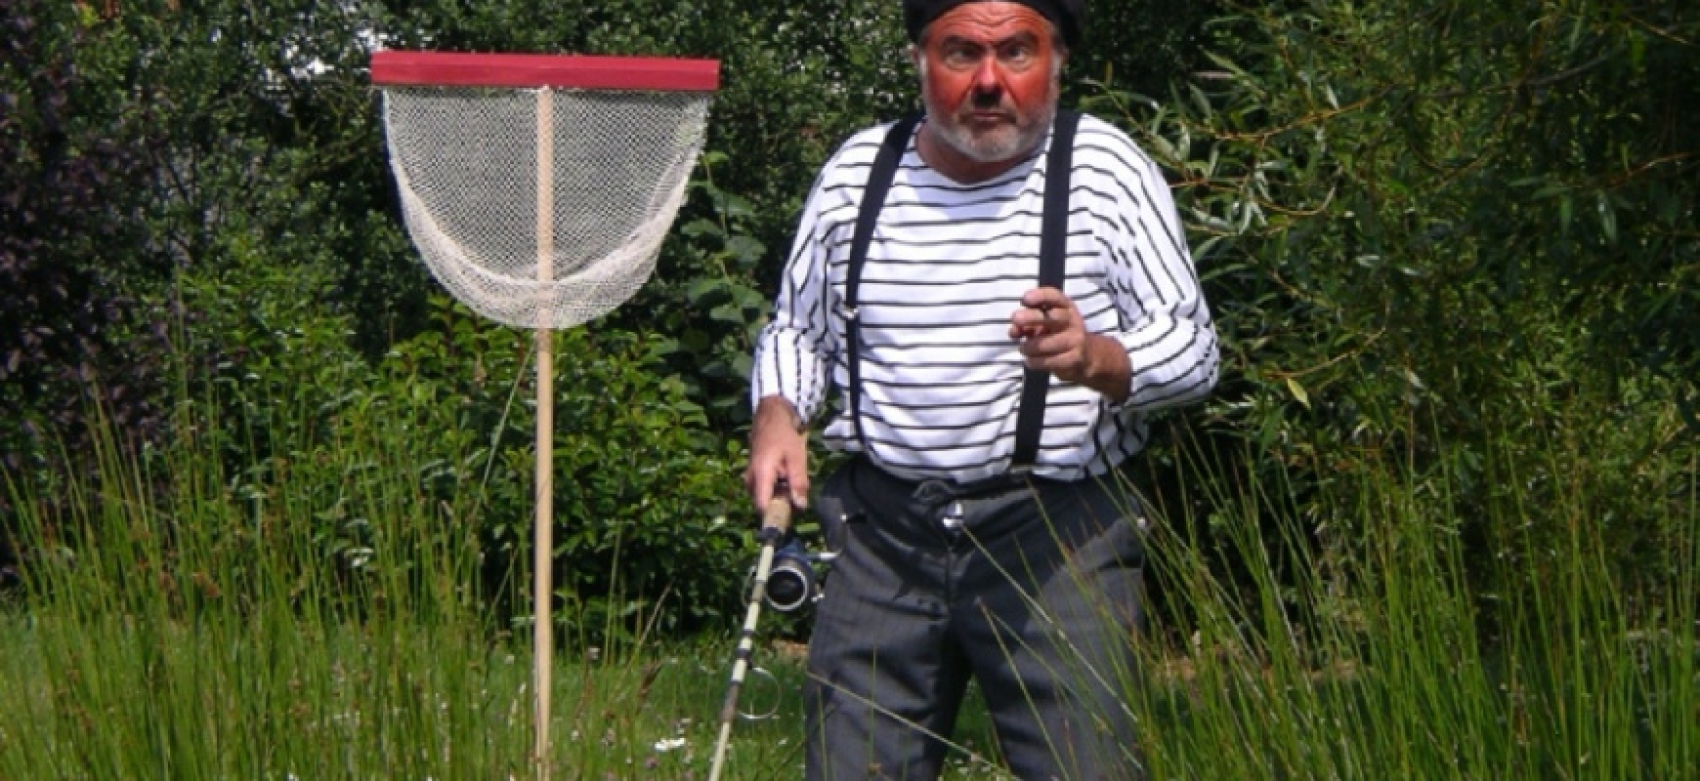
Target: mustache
987	100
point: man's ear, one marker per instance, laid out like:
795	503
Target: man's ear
915	56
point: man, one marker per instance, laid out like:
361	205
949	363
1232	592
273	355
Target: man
958	559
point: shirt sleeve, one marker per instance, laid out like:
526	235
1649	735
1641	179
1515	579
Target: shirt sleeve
1168	334
794	351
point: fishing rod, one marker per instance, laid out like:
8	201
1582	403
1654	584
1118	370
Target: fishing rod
775	524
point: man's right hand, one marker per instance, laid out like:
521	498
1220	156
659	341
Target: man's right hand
779	448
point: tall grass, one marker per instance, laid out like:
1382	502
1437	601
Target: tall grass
1380	656
182	620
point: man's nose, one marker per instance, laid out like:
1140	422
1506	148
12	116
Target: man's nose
987	78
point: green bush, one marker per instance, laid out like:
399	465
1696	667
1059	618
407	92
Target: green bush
643	488
1391	239
75	161
300	419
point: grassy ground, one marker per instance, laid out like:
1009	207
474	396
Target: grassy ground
203	638
277	696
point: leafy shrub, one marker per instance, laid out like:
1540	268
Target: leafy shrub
641	484
643	487
1391	242
74	161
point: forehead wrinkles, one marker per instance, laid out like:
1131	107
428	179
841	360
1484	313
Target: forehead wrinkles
988	23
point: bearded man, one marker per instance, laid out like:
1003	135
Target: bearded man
987	407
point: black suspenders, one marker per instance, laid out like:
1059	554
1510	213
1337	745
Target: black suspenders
1053	257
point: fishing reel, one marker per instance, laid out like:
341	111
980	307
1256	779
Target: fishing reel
796	580
797	576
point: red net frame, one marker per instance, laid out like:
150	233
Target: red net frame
453	69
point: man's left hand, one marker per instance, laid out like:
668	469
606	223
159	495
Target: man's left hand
1054	338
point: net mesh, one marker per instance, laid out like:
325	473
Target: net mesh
467	162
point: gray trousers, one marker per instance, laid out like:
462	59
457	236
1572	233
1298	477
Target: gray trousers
1035	596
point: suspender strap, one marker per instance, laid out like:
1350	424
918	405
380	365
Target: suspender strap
1053	259
873	199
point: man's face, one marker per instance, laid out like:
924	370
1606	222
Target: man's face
989	76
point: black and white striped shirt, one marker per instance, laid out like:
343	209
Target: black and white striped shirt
947	267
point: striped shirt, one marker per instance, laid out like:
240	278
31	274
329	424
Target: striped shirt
946	269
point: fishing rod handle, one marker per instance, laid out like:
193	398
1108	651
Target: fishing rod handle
778	514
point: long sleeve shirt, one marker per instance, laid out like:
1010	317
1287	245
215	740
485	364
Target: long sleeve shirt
946	268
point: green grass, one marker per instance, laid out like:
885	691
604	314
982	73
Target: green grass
182	620
111	699
1369	659
190	628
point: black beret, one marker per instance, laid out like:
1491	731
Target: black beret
1064	14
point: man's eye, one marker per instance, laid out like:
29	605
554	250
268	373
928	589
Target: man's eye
1018	55
958	58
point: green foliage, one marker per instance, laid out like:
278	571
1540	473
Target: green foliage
642	486
272	130
719	309
1380	216
73	163
640	483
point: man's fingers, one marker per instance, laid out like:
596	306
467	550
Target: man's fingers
799	493
1044	310
761	491
761	478
763	482
1044	298
1031	323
